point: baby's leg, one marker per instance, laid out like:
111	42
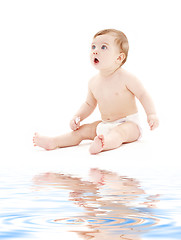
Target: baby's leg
86	131
45	142
123	133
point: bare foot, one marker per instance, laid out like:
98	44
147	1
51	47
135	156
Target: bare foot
97	145
44	142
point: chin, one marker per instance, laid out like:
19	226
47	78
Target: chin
97	66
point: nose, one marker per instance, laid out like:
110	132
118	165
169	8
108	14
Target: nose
95	52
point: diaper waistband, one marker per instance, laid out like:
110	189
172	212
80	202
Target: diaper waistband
121	120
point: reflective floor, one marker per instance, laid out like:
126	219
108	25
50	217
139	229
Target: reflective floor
105	205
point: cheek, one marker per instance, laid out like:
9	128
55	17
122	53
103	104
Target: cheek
109	58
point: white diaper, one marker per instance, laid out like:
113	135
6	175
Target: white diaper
104	127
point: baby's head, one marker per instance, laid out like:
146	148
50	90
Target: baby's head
120	40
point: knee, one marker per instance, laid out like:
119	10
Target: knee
129	132
86	131
122	134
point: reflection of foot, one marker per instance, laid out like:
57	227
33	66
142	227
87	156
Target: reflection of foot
44	142
97	145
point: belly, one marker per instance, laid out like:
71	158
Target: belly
116	110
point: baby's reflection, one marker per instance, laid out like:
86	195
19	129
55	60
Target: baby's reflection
111	203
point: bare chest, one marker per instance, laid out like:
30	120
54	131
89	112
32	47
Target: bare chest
110	92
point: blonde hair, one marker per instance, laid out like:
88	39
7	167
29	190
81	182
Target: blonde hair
120	39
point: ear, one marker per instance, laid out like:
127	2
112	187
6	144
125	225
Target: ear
121	57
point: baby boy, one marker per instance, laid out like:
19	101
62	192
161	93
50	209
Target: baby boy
114	90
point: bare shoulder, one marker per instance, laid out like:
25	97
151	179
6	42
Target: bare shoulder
128	76
92	81
133	84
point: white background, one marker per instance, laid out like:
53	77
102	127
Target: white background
45	67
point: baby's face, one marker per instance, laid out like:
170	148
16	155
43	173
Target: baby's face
105	52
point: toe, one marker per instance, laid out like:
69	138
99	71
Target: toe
101	137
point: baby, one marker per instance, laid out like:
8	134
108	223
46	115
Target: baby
114	90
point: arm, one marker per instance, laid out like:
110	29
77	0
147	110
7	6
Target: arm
85	110
135	86
87	107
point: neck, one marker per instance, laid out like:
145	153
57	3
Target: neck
108	72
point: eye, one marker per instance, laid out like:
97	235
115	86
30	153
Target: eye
104	47
93	47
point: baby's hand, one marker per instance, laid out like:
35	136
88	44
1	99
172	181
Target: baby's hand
75	123
153	121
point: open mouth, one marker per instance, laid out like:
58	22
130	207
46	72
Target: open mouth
96	60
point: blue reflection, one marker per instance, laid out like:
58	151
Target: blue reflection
106	205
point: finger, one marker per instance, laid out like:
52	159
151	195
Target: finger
77	120
73	125
155	125
77	127
151	123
